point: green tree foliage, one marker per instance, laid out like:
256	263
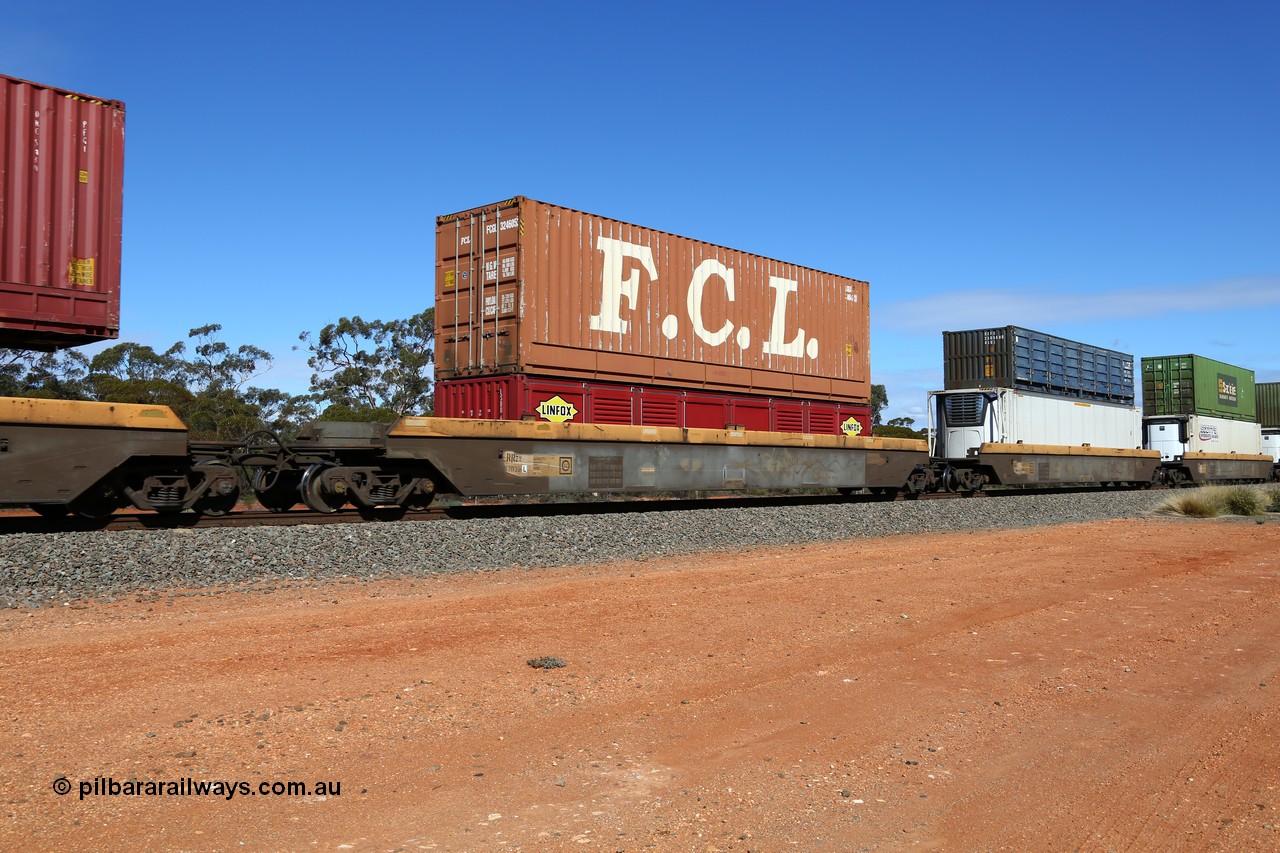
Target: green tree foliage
901	428
51	375
216	374
879	399
204	380
373	370
134	373
896	427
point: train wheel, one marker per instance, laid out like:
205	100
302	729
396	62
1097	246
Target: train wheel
276	490
217	504
316	495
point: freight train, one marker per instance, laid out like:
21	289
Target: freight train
1024	415
88	459
575	354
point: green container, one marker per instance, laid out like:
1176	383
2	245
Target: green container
1195	385
1269	404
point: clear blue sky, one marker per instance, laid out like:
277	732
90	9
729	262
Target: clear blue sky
1105	171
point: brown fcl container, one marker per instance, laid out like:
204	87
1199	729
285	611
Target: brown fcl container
61	199
528	287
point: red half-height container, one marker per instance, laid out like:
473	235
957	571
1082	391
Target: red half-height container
517	396
61	209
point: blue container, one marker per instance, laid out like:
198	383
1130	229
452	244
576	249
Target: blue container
1013	357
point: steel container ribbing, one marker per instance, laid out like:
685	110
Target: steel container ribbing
519	396
526	286
1195	385
1014	357
1268	404
61	204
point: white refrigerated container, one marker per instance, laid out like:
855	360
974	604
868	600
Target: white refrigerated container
961	421
1177	435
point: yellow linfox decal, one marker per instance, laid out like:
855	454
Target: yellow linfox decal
556	410
851	426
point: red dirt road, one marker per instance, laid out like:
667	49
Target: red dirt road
1110	686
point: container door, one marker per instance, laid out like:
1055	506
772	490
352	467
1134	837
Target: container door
478	287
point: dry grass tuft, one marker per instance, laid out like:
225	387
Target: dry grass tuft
1212	501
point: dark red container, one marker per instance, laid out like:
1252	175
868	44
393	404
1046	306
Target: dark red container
61	202
522	397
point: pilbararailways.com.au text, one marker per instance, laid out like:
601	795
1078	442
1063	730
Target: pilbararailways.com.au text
106	786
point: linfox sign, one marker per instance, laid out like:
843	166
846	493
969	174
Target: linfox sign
557	410
851	426
619	294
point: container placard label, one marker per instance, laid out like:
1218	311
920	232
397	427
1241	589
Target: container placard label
851	426
557	410
80	272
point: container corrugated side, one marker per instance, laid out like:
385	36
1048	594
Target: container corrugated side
1014	357
1195	385
1268	403
61	205
526	286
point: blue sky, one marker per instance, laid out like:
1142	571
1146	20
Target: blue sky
1103	171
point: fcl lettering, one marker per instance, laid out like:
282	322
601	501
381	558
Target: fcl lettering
615	289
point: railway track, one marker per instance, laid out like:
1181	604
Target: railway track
27	522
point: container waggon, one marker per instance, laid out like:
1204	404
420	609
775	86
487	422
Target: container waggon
1201	415
582	355
1011	437
1022	408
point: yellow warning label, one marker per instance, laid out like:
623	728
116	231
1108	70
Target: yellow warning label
80	272
851	426
556	410
536	464
450	278
848	349
84	176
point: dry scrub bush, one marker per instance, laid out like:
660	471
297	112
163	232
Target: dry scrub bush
1213	501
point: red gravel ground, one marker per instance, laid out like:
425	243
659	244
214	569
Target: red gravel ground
1110	686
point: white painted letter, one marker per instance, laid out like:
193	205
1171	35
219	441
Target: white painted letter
774	346
614	287
705	270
